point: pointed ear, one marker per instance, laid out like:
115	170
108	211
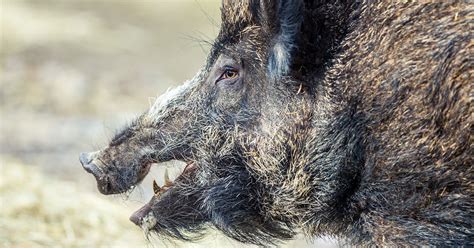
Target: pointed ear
282	18
236	12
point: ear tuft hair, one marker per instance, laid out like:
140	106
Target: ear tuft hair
289	15
279	61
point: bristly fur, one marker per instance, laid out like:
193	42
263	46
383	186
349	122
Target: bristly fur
351	119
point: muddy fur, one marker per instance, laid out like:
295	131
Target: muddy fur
347	119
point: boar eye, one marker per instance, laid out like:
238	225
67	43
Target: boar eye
229	73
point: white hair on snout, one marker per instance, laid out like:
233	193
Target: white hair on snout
160	106
148	222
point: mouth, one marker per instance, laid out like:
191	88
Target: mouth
168	183
144	217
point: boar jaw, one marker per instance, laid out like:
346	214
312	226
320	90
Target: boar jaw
144	217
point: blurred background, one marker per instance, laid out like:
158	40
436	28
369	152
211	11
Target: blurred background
72	72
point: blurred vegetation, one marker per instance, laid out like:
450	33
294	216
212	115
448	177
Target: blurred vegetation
40	212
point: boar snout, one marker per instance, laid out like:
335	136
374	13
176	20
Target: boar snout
138	217
85	158
87	162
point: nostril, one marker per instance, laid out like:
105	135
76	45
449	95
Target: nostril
91	168
85	158
135	219
108	187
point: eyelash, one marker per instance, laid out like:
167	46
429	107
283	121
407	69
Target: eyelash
229	73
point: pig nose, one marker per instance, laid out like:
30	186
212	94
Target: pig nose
138	216
86	161
136	219
91	168
85	158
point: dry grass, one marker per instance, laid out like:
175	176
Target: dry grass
37	211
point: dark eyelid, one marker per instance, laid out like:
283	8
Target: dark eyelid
223	70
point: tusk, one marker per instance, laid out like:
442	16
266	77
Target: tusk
156	188
168	182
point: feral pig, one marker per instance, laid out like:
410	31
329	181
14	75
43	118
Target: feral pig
350	119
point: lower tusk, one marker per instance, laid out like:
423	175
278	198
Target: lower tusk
168	182
156	188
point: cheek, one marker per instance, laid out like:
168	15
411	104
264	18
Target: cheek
230	86
229	97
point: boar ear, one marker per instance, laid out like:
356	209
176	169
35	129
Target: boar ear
236	12
282	18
